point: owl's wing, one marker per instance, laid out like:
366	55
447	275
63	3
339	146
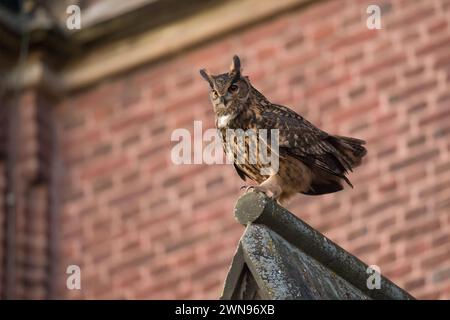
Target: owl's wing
241	173
302	140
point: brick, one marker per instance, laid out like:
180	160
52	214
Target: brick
360	109
416	141
385	118
415	213
443	204
209	268
104	168
441	133
386	151
398	271
384	64
130	213
329	208
389	257
414	72
416	248
131	140
102	185
415	284
366	248
297	79
417	107
413	90
388	186
185	81
132	121
358	127
428	296
266	53
102	150
359	197
329	104
358	91
157	289
416	230
438	116
414	17
442	168
354	39
158	91
410	37
424	156
384	205
327	85
353	57
441	275
131	93
150	152
323	32
73	121
129	196
433	191
434	46
129	279
386	82
294	41
387	222
436	259
216	181
441	240
186	242
335	223
442	62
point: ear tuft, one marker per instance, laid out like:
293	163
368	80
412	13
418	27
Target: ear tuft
235	65
204	73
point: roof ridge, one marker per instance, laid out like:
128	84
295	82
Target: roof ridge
255	208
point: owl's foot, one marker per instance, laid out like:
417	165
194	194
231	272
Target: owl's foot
270	192
246	188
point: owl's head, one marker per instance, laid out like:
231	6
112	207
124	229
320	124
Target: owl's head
229	91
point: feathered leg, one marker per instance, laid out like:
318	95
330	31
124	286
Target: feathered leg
271	187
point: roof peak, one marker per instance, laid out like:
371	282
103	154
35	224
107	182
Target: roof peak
288	259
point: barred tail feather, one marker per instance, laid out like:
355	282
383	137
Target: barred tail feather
351	149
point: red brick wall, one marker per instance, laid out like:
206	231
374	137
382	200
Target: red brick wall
25	152
142	227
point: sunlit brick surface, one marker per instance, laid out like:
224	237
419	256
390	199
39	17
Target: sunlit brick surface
142	227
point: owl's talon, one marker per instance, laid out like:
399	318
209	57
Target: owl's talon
247	188
267	192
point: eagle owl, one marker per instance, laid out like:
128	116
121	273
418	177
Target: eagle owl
311	161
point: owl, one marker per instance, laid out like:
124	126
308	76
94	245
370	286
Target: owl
311	161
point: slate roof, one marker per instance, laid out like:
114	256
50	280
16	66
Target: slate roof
281	257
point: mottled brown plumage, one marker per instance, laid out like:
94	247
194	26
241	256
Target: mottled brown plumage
311	161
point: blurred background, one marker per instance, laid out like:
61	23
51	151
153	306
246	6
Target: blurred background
86	116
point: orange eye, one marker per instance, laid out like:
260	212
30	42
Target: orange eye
233	88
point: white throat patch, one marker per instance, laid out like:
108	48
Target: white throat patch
222	121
